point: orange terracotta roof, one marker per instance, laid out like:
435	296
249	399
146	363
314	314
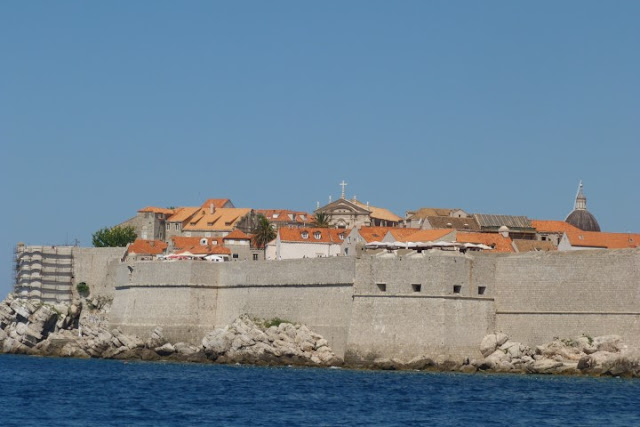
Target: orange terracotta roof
426	235
147	247
373	234
379	213
401	233
182	214
153	209
181	242
499	243
550	226
208	250
596	239
285	215
327	235
237	235
425	212
217	203
222	219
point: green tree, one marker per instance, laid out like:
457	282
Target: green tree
321	220
114	237
263	233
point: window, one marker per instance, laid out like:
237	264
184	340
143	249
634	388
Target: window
481	290
304	235
457	289
317	235
255	257
235	256
341	236
168	226
382	287
416	287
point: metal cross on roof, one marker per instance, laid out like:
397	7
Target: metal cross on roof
343	184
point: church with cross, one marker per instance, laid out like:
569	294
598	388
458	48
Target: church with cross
349	213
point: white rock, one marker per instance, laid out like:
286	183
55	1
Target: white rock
165	350
488	345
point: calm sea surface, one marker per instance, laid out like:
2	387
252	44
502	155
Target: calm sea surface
48	391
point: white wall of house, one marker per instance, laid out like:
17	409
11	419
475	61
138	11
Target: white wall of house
271	252
295	250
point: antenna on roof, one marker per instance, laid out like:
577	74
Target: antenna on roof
318	205
329	198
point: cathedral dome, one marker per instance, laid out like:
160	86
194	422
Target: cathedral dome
583	219
580	217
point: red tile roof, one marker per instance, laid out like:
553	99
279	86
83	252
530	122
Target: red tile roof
426	235
217	203
596	239
327	235
147	247
237	235
401	233
181	243
379	213
373	234
285	215
153	209
182	214
222	219
499	243
208	250
549	226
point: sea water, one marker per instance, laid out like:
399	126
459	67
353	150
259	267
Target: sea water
52	391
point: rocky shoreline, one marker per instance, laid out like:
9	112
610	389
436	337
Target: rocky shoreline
81	330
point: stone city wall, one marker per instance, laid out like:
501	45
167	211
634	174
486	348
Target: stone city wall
96	267
426	305
435	304
189	298
542	295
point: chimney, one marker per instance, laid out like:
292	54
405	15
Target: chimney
212	208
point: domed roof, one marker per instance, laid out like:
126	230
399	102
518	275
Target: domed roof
583	219
580	217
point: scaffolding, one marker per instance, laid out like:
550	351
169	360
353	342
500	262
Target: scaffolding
44	273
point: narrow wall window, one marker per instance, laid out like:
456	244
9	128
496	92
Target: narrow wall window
382	287
255	257
457	289
416	288
481	290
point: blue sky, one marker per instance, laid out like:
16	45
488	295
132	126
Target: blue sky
493	107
